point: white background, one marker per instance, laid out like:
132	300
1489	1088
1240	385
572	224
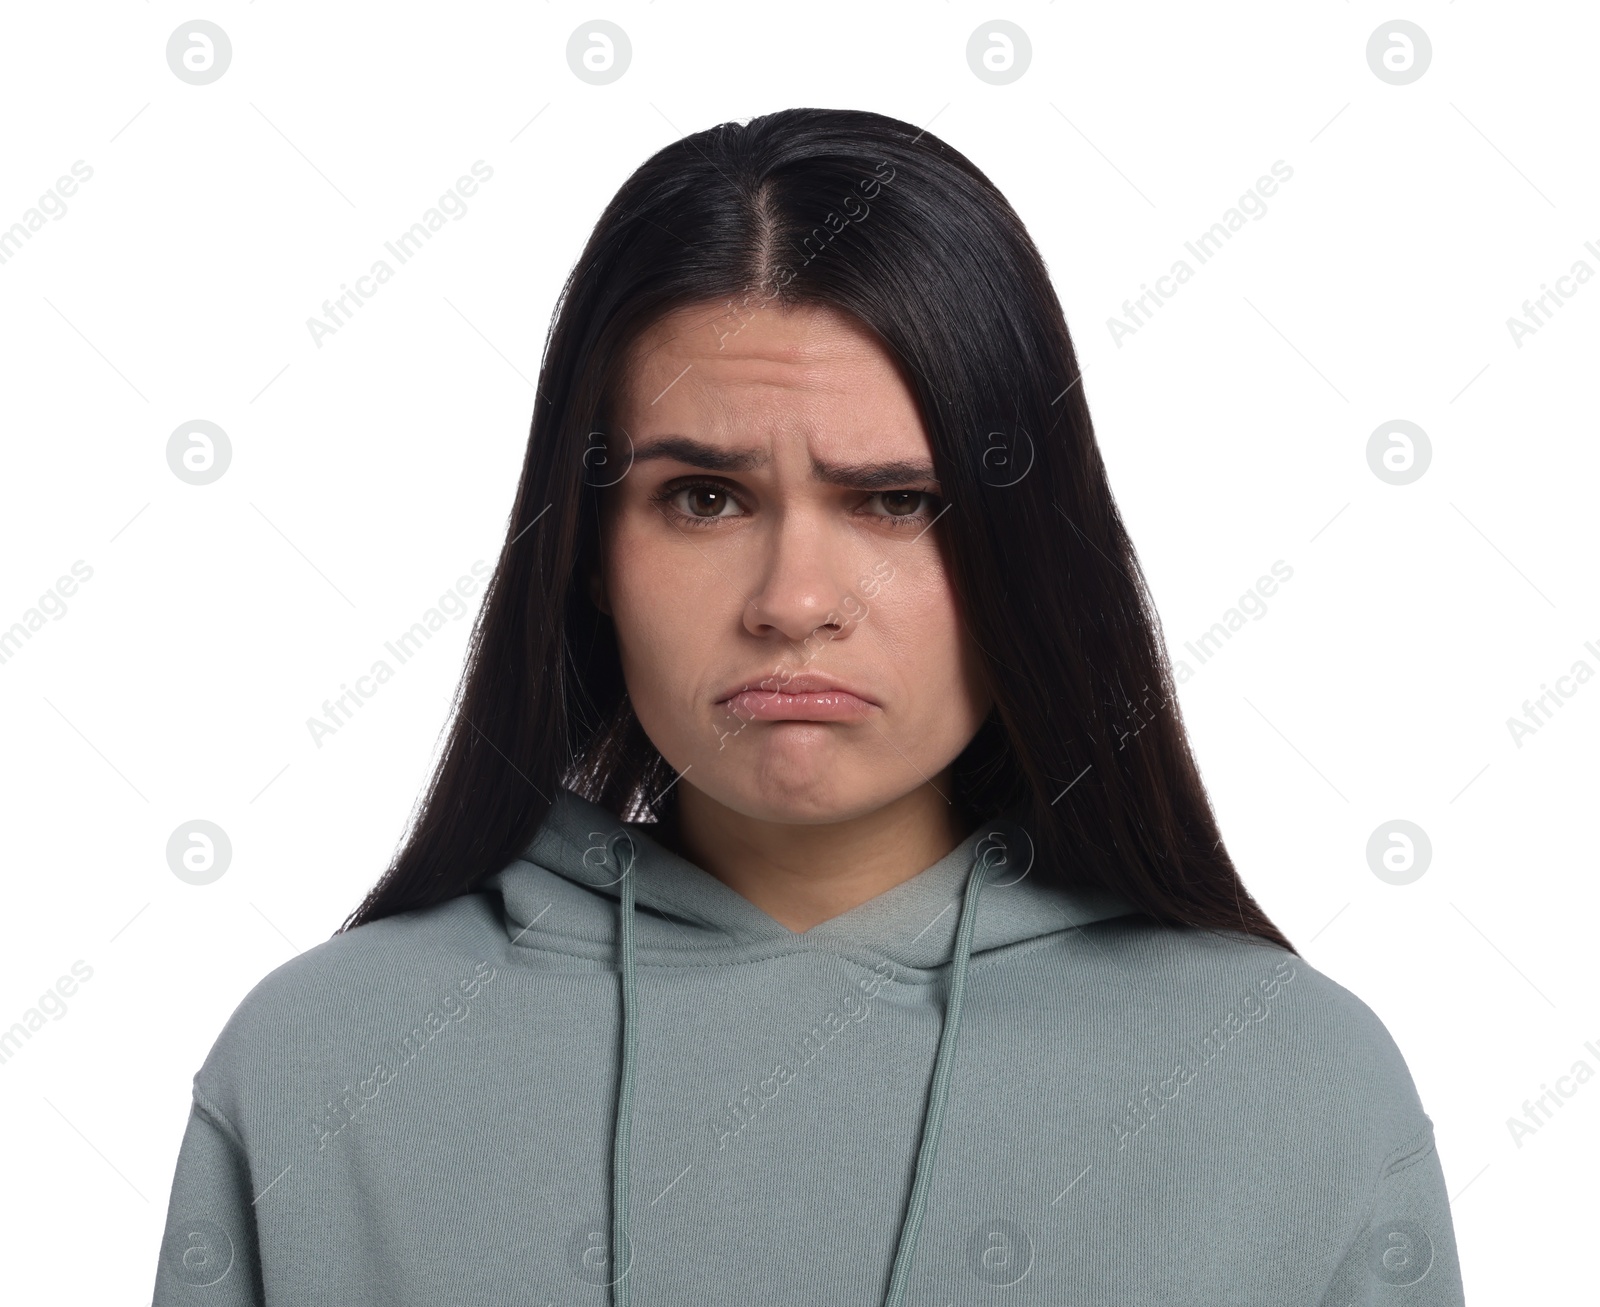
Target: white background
370	473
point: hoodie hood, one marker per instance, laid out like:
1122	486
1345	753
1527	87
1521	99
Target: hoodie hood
568	886
924	923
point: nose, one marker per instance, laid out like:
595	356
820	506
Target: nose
803	585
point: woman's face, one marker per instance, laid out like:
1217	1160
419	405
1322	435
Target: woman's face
774	535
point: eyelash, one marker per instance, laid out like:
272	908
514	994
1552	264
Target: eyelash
672	490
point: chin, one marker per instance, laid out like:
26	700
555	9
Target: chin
802	792
793	809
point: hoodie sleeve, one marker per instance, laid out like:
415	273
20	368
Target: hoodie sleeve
1404	1254
209	1256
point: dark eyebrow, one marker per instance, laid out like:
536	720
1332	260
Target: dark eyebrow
696	453
856	476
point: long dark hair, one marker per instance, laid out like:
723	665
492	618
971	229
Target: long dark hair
869	215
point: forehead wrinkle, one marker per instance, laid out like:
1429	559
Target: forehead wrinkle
750	389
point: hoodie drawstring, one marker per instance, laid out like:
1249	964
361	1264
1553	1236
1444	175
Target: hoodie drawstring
933	1115
621	1252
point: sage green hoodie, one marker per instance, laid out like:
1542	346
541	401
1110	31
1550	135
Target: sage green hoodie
607	1078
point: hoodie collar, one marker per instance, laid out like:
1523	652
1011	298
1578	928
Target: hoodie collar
566	886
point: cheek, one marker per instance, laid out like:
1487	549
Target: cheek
916	620
663	607
640	599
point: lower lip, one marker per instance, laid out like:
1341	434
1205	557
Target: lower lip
817	706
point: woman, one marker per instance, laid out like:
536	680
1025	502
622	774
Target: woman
817	899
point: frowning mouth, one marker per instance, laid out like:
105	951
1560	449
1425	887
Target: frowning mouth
808	698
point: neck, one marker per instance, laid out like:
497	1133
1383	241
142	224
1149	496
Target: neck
802	874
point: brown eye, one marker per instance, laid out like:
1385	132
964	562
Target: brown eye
706	501
699	503
905	509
